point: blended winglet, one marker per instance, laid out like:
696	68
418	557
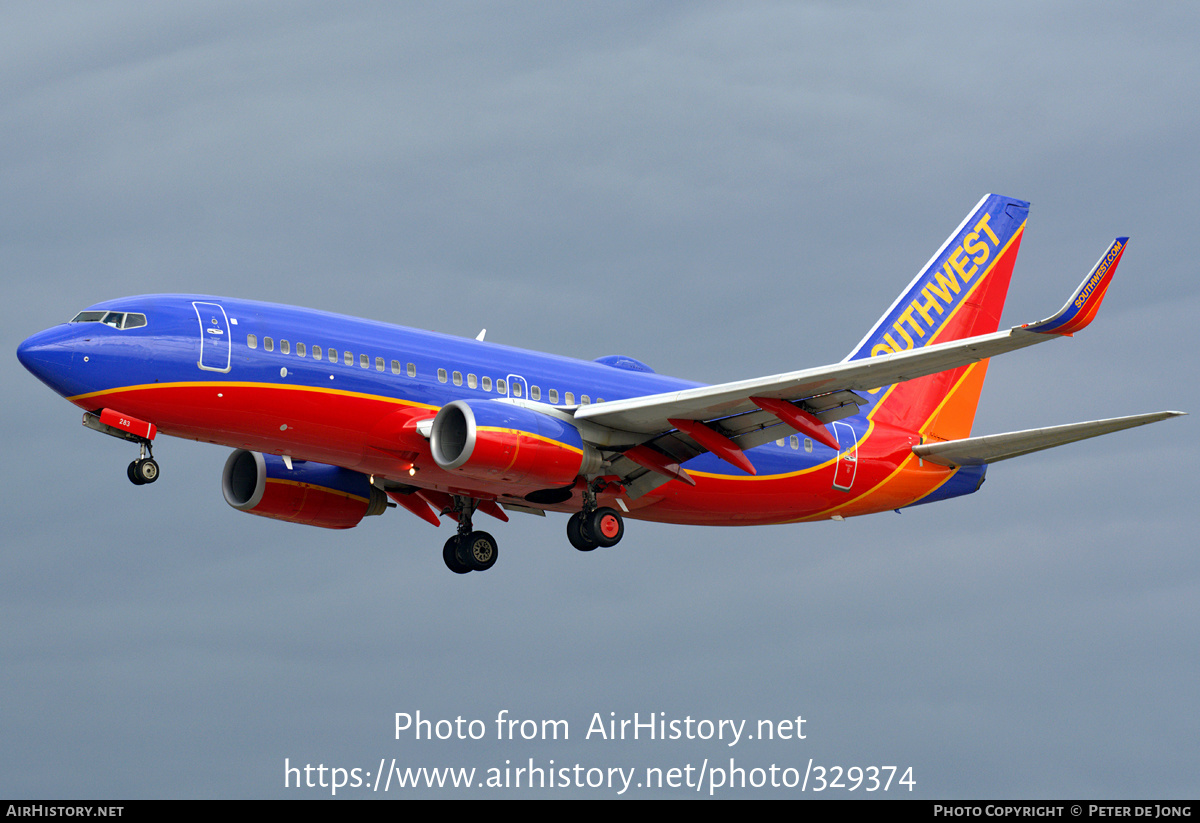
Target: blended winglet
1085	302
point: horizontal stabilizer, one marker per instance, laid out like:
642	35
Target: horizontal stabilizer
976	451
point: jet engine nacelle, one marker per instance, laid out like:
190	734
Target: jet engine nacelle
503	442
310	493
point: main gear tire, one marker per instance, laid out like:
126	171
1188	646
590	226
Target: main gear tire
450	557
481	551
576	536
603	527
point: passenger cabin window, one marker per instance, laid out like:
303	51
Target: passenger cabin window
535	393
395	367
569	399
412	369
794	441
487	384
252	341
584	400
472	382
378	364
268	344
808	444
300	350
441	375
501	386
348	357
457	378
516	389
317	353
285	347
364	361
554	395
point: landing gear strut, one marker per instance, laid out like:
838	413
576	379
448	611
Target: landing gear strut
594	526
469	551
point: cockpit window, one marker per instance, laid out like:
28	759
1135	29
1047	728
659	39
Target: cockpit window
116	319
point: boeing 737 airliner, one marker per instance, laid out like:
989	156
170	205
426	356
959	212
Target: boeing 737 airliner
332	417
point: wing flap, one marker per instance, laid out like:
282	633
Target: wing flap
835	406
977	451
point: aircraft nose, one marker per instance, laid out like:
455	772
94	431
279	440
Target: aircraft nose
48	355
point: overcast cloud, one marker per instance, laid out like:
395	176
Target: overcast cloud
721	190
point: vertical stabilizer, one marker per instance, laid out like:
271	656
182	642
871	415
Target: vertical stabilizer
959	293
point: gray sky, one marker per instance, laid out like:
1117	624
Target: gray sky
720	190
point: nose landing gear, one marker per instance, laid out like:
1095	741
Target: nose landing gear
142	471
115	424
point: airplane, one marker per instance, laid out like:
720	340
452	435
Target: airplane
334	418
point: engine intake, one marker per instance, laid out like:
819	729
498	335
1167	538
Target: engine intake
310	493
505	443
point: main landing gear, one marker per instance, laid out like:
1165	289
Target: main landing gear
476	551
469	551
594	526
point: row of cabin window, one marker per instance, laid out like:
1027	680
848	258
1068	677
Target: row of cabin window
535	392
318	354
794	441
485	383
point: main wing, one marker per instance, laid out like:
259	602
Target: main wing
652	414
730	417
